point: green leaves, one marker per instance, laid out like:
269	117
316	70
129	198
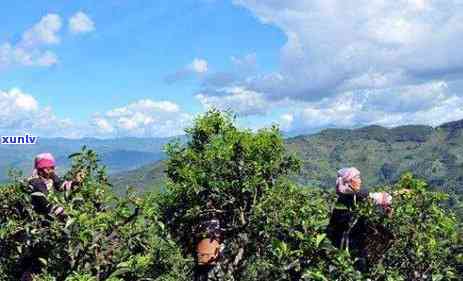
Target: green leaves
319	238
424	234
273	229
242	175
99	232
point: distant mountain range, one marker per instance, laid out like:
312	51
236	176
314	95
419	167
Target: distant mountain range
382	155
120	154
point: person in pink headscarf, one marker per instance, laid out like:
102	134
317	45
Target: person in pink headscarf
342	230
43	181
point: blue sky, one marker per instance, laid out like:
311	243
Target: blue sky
146	68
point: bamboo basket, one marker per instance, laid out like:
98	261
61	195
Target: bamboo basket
378	240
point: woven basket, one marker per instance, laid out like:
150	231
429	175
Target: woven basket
378	240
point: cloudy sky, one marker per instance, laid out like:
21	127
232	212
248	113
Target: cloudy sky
115	68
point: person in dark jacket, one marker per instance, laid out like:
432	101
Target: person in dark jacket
43	181
343	230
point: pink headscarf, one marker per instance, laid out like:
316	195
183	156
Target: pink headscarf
44	160
345	175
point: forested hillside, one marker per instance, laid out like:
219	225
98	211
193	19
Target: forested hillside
382	154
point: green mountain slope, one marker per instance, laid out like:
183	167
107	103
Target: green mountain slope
382	155
147	178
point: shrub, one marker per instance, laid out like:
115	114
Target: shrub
103	237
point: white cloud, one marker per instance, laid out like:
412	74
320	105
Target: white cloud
47	58
102	126
431	103
246	63
196	69
244	60
412	98
15	102
336	46
22	113
240	100
143	118
350	64
33	47
21	101
81	23
420	5
286	121
43	33
29	51
11	56
198	66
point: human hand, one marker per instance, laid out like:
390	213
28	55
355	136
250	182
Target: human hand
389	211
58	211
67	185
383	199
